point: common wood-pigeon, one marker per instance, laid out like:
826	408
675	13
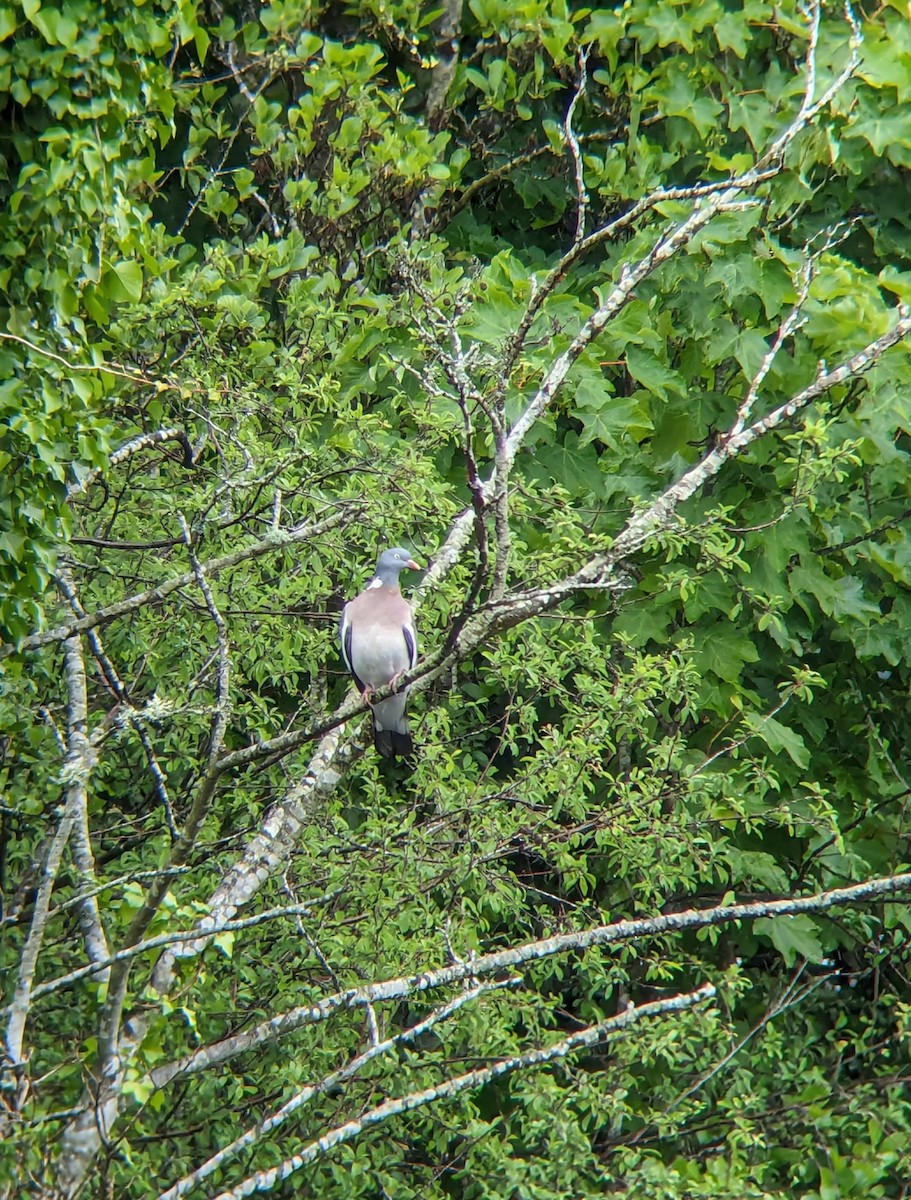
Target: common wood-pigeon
379	642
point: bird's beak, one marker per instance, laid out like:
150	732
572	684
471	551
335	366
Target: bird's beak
414	566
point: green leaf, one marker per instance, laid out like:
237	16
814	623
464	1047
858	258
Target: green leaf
722	651
54	26
733	33
124	281
679	95
225	943
842	598
887	131
608	418
778	737
886	55
761	867
793	937
660	379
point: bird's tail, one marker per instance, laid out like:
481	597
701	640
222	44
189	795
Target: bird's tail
393	743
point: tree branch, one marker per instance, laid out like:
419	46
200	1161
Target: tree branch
270	1124
603	1031
572	142
346	510
170	939
617	933
78	765
135	446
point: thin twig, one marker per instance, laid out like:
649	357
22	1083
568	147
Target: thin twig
572	142
170	939
108	368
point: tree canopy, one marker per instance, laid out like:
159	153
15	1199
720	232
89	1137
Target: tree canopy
603	313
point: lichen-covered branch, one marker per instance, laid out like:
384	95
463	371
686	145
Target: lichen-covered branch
76	771
265	1181
509	960
345	512
376	1050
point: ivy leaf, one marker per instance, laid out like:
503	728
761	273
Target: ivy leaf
123	282
679	95
54	26
7	22
886	55
887	132
732	33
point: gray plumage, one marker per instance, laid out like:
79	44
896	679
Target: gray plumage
379	642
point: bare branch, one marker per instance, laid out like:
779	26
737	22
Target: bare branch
839	547
78	765
620	932
80	750
135	446
301	533
573	143
171	939
111	884
89	915
229	145
352	1068
109	1026
735	743
277	230
265	1181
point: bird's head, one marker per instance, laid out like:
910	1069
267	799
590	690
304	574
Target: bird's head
392	561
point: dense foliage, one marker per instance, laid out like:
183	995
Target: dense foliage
283	286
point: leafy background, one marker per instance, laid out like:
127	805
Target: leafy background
250	225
